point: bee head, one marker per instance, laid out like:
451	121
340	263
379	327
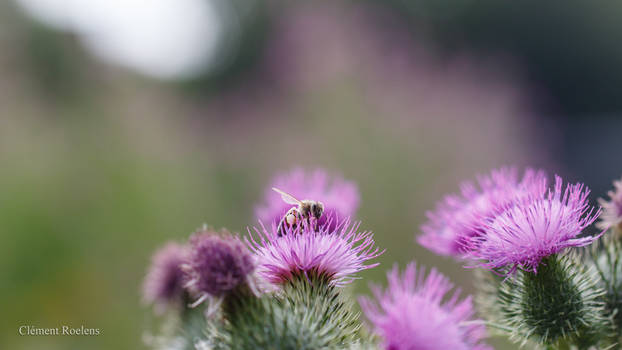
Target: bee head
317	209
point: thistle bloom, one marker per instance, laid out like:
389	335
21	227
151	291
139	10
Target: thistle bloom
164	282
452	227
216	264
337	254
612	209
532	230
340	197
411	315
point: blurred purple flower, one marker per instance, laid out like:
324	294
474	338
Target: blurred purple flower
534	229
164	282
611	216
340	197
217	264
320	51
335	253
452	228
411	315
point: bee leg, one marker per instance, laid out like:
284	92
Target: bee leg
289	220
280	231
312	223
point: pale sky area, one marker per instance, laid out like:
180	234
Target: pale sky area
166	39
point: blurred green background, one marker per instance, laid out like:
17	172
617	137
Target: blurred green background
124	124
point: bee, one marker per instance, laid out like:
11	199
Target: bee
305	209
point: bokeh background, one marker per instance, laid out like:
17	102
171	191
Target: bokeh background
124	124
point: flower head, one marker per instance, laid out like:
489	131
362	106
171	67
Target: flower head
612	209
534	229
337	254
340	197
164	282
452	228
411	314
217	263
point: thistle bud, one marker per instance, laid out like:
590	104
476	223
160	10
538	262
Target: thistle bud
163	285
217	264
560	304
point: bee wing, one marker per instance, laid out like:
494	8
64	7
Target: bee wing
287	198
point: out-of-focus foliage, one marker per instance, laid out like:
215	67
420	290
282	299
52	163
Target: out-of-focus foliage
570	49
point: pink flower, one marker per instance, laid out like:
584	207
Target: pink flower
413	313
612	209
453	227
335	253
534	229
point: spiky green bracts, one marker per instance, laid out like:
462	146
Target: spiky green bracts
559	305
307	313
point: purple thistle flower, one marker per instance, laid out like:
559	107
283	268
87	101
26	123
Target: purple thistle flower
216	264
335	253
453	227
611	216
340	197
534	229
411	315
163	284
